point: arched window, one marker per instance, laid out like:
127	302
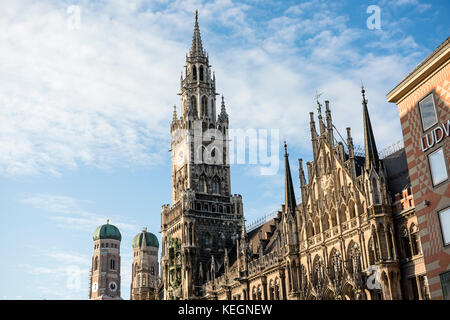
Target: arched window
96	263
333	218
343	214
194	73
152	270
202	184
194	103
216	185
204	106
112	264
326	223
309	229
317	226
352	211
207	241
376	194
201	73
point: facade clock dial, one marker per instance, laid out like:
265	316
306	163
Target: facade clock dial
112	286
95	286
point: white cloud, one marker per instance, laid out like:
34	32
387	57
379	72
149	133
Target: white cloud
101	95
68	213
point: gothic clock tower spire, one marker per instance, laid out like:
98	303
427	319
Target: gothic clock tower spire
204	217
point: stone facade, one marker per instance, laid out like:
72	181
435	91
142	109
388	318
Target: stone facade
353	236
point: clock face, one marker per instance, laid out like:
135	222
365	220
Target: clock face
112	286
95	286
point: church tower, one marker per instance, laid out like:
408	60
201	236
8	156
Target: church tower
145	270
105	272
204	217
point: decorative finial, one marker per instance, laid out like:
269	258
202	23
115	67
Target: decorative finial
107	221
196	15
144	229
285	147
319	105
363	91
222	99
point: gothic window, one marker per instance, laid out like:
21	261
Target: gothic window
96	263
139	280
326	223
343	214
317	226
333	218
376	194
112	265
259	292
201	73
309	229
254	293
202	184
194	103
352	211
194	73
207	241
152	270
204	106
216	185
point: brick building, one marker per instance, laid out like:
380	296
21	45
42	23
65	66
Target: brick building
423	100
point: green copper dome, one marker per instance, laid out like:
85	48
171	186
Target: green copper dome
150	238
107	231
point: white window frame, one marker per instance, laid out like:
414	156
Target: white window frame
445	241
435	112
431	171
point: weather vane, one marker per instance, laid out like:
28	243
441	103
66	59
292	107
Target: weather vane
319	105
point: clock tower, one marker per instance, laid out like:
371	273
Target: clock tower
203	222
105	272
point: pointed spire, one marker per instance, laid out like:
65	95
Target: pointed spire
290	203
372	160
223	116
197	48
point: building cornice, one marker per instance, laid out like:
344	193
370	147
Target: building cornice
436	60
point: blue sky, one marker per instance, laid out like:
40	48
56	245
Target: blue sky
85	109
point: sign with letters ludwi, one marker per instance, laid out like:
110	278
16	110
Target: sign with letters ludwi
435	136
